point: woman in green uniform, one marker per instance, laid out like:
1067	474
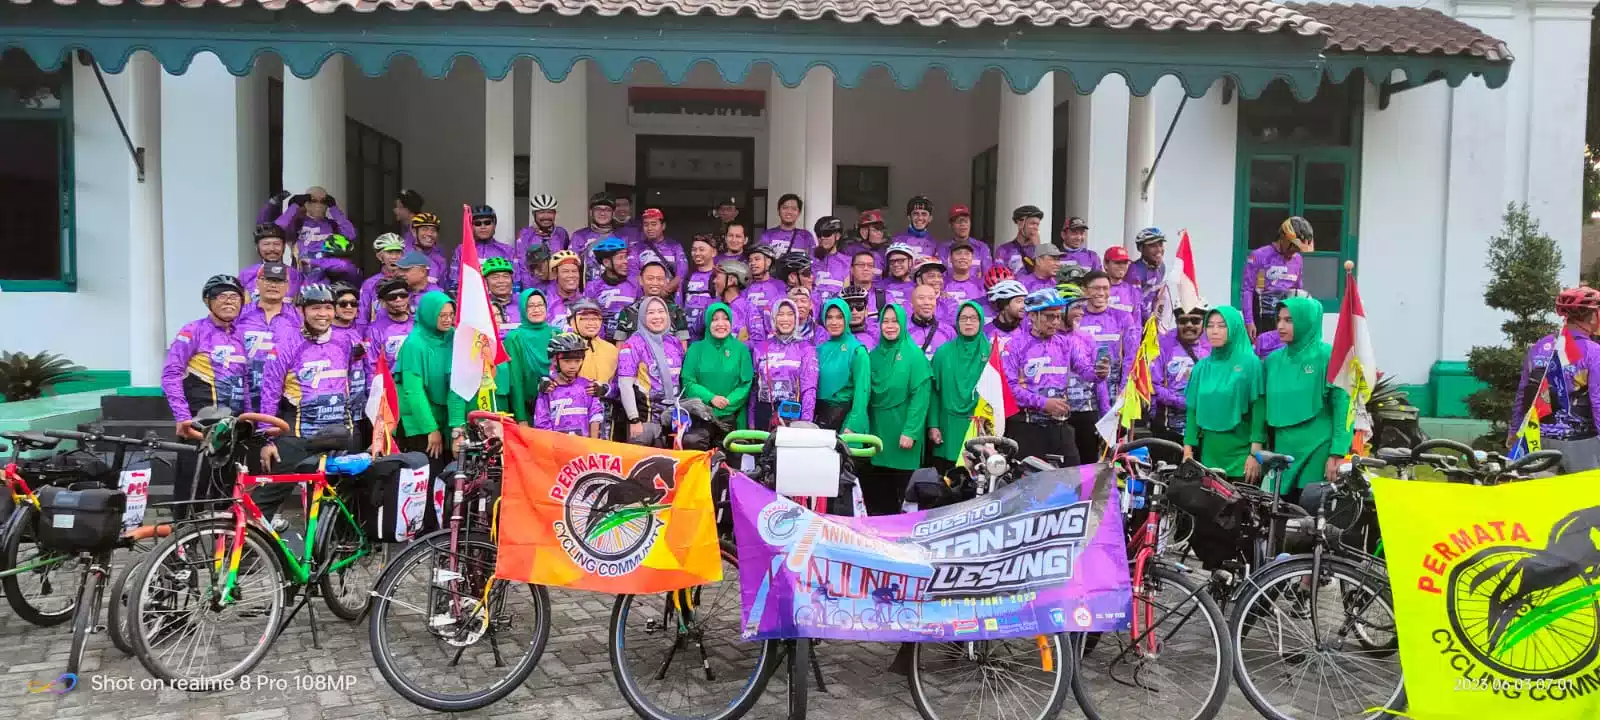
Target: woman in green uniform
844	375
956	368
528	347
1226	419
427	407
1306	414
718	369
897	411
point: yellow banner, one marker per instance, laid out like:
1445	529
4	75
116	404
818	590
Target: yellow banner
1497	596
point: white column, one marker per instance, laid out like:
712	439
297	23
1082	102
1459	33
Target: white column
1137	209
818	163
213	177
1476	199
1097	162
1027	133
313	130
1559	95
786	144
558	146
147	332
499	153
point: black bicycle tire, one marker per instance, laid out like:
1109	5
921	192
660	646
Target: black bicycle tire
1219	624
141	644
83	622
1058	697
1255	584
799	677
10	545
324	554
117	609
766	665
442	702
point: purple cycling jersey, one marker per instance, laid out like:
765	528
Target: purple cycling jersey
786	369
307	382
1169	374
784	240
206	365
568	407
1269	277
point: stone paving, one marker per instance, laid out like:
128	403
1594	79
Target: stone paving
573	680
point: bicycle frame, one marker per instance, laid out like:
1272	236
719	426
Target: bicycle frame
246	512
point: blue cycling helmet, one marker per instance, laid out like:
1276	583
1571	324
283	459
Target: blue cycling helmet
482	211
1046	299
604	249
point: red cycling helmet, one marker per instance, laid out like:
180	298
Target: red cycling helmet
995	275
1582	297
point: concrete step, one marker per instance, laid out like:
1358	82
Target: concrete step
135	407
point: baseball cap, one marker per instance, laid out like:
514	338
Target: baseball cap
1047	250
653	214
1116	253
960	211
412	259
274	271
1076	223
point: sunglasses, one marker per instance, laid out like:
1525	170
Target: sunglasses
348	303
1188	321
482	223
397	296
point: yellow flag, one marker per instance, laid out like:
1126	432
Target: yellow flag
1496	596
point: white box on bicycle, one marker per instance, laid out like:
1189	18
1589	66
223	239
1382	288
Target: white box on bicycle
807	462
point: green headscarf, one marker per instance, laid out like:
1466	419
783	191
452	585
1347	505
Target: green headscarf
1225	383
835	356
1297	373
528	345
959	363
898	366
426	350
721	366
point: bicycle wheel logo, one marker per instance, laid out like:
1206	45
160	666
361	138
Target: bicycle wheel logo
612	520
1532	613
780	522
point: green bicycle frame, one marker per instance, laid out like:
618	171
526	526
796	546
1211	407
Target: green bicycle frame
245	512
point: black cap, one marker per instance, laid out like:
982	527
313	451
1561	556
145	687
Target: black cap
1077	223
274	271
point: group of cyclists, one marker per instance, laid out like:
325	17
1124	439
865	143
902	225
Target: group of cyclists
609	327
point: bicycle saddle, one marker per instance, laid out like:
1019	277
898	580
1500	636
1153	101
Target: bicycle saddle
1272	461
1395	455
31	440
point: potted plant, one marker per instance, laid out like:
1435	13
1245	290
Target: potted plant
25	377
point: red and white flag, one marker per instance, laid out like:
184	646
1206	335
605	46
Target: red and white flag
1182	283
477	346
383	407
995	402
1352	365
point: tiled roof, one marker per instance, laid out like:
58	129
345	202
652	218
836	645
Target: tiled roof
1401	30
1261	16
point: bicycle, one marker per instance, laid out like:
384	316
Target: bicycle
1175	621
1469	466
1277	623
722	684
461	607
21	557
235	568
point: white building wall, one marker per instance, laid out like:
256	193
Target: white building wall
1194	183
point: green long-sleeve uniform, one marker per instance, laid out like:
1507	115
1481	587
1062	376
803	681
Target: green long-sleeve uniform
426	403
719	366
1306	413
1225	408
902	387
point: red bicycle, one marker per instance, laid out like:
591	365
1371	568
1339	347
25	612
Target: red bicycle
1173	660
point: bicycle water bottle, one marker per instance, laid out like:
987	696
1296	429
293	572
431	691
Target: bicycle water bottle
1136	492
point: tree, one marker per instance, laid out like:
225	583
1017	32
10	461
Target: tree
1524	267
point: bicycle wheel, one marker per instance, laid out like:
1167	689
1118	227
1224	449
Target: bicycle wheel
1299	651
347	590
435	639
84	620
981	679
799	677
668	669
31	574
182	628
1489	591
117	610
1176	667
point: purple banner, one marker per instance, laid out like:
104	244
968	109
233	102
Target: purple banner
1043	555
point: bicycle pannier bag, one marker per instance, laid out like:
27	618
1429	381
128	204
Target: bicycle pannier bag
80	520
399	486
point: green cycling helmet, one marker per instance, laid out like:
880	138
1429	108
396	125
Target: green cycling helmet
496	264
1070	293
336	245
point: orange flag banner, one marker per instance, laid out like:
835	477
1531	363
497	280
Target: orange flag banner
604	516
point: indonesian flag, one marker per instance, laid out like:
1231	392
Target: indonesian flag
1352	365
1182	286
995	402
383	407
477	343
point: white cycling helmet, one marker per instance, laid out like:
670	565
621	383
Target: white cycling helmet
1004	290
541	202
901	248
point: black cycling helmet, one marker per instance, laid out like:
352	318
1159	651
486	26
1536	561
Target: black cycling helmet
314	294
218	284
270	230
919	201
762	248
794	261
392	285
602	199
1026	211
538	255
568	343
1298	229
828	225
482	211
344	288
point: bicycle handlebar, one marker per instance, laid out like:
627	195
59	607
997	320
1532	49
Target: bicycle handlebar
1009	446
478	415
149	441
1535	462
1126	448
277	423
1447	444
861	445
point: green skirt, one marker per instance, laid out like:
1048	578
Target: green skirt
1310	444
1226	450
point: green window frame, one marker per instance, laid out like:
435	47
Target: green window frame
61	117
1317	180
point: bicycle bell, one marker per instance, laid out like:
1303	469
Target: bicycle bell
995	465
